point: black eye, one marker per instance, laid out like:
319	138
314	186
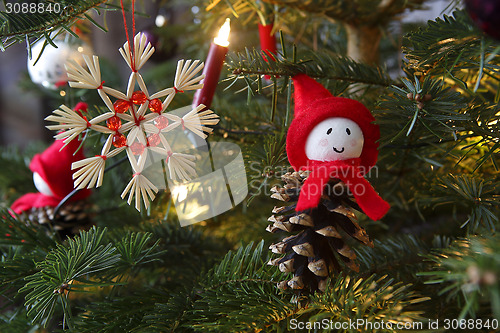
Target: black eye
329	131
348	131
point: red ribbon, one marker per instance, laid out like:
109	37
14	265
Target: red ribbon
88	122
169	154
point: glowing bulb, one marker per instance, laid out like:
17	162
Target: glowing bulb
160	20
222	38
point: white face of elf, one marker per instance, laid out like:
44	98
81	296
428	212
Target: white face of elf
41	185
334	139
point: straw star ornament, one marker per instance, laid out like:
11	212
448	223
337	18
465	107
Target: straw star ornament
136	122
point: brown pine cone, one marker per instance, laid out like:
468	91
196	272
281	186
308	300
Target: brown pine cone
316	249
71	218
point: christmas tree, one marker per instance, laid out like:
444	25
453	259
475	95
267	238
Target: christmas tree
423	97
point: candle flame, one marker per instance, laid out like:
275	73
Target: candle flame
222	38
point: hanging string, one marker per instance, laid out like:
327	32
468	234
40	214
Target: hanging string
126	32
133	21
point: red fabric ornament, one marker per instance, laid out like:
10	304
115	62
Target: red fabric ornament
81	107
54	166
313	104
33	200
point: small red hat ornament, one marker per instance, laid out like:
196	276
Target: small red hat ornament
53	177
333	137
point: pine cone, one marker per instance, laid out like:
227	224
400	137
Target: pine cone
71	218
312	253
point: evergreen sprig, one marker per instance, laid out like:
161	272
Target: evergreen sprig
18	232
447	46
63	270
15	322
238	294
119	313
365	300
484	133
31	27
319	65
479	198
427	108
267	161
399	256
468	272
79	265
15	178
179	256
15	266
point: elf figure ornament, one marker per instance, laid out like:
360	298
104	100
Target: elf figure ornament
332	144
53	179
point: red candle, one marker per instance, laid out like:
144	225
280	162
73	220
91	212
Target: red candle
267	40
267	43
213	67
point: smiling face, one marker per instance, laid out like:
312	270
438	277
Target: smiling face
334	139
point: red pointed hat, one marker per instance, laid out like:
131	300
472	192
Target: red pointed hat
313	104
54	166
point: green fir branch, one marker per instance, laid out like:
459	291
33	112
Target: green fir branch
82	264
315	64
427	108
16	321
31	27
15	266
238	294
479	198
266	161
62	269
118	314
365	301
447	45
16	178
468	273
17	231
398	257
179	256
